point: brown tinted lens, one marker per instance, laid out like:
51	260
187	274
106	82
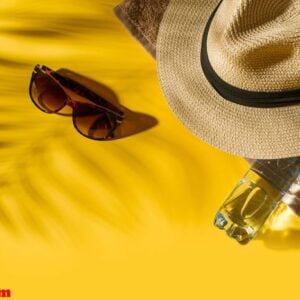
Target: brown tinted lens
47	94
92	122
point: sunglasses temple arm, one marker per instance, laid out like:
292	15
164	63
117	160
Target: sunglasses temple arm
85	92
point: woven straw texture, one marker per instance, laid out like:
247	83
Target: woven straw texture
259	40
251	132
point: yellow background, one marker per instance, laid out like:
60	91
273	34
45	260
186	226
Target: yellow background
129	219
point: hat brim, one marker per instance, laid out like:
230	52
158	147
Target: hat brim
259	133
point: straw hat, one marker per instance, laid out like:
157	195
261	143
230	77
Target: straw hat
230	71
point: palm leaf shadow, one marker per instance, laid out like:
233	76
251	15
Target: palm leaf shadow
28	138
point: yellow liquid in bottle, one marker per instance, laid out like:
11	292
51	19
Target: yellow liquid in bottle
247	208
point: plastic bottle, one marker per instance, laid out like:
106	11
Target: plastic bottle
257	195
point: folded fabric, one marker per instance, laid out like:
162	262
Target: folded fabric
142	18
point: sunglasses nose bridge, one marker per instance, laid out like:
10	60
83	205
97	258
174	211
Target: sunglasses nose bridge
71	103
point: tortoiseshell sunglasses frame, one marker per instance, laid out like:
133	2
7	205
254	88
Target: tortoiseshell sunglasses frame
115	115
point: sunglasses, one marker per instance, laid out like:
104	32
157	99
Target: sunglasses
93	116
